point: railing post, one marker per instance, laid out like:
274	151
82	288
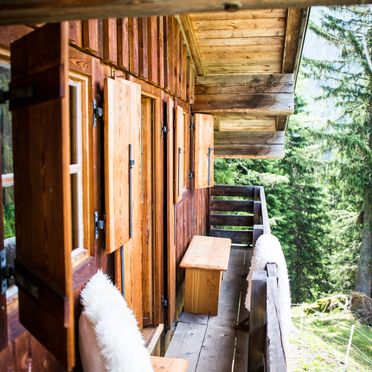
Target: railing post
257	232
275	352
257	322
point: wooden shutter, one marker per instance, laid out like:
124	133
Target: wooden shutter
127	261
41	155
203	145
179	154
121	116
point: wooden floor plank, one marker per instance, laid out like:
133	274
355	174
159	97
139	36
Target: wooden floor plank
218	350
211	343
186	343
228	305
193	318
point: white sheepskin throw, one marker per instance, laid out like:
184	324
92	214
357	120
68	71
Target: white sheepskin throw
269	250
119	340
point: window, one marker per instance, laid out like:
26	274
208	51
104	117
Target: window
79	170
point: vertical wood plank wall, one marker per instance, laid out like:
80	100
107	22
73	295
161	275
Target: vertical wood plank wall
192	215
150	51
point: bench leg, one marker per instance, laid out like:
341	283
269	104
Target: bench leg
202	291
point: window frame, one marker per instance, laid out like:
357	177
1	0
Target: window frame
83	166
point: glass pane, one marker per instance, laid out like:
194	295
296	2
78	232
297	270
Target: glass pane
76	212
73	125
8	205
5	124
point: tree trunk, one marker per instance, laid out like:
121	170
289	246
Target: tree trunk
364	276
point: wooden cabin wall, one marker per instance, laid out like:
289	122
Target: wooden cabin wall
149	51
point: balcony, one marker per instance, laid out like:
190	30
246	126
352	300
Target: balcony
221	343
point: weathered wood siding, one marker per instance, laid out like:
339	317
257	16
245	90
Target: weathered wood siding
192	215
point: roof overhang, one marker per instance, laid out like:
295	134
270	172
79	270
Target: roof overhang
246	65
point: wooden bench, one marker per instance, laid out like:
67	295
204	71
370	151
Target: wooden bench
205	261
161	364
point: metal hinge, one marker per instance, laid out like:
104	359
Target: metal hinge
164	302
164	131
4	96
97	112
17	93
191	174
98	225
6	273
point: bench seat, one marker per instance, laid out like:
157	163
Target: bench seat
205	261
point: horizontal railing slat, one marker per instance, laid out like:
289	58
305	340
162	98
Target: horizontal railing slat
231	220
233	190
236	236
232	205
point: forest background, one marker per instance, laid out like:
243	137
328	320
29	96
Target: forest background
320	194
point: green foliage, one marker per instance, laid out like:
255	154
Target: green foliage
347	81
322	344
9	225
297	207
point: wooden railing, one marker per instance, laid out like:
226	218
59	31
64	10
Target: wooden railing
266	347
238	213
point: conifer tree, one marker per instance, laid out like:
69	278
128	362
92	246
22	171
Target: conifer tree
347	81
297	207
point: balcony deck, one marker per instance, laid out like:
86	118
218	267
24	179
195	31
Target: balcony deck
211	343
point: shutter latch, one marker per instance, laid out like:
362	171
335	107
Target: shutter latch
191	174
6	273
164	302
97	112
98	225
164	130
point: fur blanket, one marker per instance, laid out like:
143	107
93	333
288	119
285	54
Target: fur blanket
119	340
268	250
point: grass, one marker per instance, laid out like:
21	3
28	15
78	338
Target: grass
322	344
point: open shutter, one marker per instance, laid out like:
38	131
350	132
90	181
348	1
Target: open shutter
123	182
203	135
179	154
41	155
118	163
123	187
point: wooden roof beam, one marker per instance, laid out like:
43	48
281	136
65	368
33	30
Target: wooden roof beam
26	11
191	43
257	151
242	138
292	33
266	94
